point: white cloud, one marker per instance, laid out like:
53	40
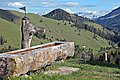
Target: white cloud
48	4
93	13
45	3
55	4
71	4
68	10
15	4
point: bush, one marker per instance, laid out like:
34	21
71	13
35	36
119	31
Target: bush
119	44
40	21
2	40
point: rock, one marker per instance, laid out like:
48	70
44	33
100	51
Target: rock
19	62
62	70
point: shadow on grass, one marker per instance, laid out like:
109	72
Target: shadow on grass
7	15
104	64
95	63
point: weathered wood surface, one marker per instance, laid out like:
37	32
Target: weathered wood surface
28	30
21	61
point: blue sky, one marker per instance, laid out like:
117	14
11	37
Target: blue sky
73	6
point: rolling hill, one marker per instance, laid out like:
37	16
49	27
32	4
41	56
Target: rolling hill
83	23
111	20
59	14
55	30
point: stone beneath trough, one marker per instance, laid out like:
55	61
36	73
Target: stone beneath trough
62	71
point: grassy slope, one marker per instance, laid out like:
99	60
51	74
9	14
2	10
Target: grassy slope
97	26
67	32
11	32
52	30
86	72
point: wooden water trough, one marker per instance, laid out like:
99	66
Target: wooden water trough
21	61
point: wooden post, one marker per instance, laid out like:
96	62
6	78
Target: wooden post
84	56
28	30
91	56
25	21
106	57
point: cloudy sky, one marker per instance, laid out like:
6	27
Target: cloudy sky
73	6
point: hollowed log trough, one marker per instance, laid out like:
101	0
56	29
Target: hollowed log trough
21	61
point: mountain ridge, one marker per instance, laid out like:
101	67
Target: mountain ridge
60	14
111	20
83	23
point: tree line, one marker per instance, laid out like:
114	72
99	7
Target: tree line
113	57
102	33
